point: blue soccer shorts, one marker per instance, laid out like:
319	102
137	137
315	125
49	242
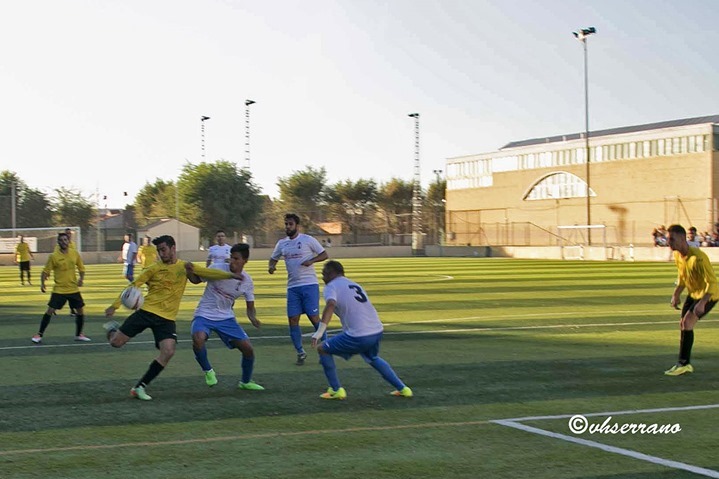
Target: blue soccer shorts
303	299
347	346
227	329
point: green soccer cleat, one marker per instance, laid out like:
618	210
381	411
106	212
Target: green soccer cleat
210	377
404	392
332	394
139	393
250	386
679	369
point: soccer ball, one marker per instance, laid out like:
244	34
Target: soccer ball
132	298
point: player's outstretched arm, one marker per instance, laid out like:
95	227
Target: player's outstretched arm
326	318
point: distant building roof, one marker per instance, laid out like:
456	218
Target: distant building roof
615	131
331	228
149	226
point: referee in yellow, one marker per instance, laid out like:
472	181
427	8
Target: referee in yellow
696	275
64	263
23	255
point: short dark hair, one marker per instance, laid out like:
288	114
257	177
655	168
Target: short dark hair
219	231
335	267
677	229
167	239
292	216
62	234
242	248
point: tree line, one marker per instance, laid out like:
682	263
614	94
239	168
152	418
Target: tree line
220	195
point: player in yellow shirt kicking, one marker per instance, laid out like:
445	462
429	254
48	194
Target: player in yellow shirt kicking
63	264
166	281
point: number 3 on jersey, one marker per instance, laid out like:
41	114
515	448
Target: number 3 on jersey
361	297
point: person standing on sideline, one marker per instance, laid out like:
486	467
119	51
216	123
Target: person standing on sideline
146	253
214	313
696	274
129	258
23	255
166	281
63	264
361	332
220	252
300	251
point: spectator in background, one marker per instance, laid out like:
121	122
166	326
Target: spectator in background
660	238
692	239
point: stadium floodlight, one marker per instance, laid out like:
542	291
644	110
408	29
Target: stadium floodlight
582	35
247	132
202	134
417	240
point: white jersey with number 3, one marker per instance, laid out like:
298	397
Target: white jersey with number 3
356	313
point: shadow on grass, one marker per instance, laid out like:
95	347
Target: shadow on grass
187	398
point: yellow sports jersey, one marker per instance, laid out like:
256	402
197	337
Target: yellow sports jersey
166	285
696	274
64	267
22	252
147	254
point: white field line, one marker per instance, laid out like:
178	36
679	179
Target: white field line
516	424
396	333
240	437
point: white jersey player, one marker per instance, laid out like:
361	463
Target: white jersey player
361	332
215	313
220	252
300	252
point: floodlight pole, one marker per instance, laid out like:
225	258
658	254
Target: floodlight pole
247	133
202	135
582	35
417	240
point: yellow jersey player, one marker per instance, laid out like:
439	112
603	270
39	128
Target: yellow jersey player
147	253
696	275
23	255
166	281
68	271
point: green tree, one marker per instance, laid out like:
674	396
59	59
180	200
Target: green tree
303	193
35	210
353	204
72	209
32	207
154	201
433	210
394	202
219	196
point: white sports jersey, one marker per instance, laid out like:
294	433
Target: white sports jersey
296	251
219	254
356	313
219	297
127	250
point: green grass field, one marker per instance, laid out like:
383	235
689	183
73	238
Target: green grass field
499	353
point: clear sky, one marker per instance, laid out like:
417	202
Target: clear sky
106	95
